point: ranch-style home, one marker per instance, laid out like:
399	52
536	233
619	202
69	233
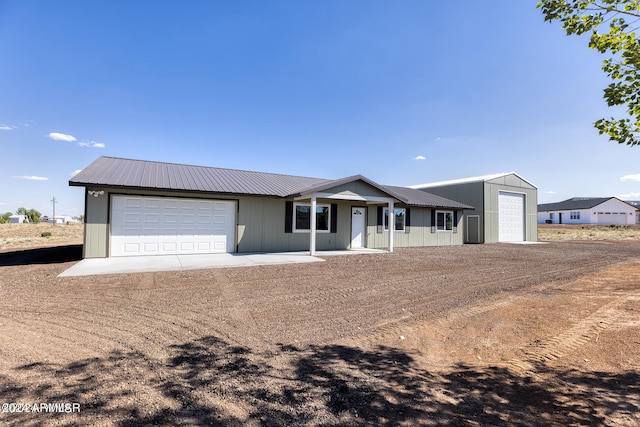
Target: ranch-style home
588	210
136	207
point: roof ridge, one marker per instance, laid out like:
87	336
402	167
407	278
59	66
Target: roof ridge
467	180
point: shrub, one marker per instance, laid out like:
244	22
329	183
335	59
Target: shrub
46	234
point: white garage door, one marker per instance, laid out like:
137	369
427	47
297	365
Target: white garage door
161	225
511	217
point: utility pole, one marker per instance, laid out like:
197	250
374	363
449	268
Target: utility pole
54	201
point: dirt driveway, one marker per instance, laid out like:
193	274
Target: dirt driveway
511	335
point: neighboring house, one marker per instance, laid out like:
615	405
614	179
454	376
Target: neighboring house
18	219
588	210
505	206
636	204
59	220
135	207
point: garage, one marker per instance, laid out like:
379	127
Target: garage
511	217
142	225
505	206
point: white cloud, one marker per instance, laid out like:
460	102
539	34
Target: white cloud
420	158
550	192
7	127
629	196
91	144
32	177
61	137
75	172
634	177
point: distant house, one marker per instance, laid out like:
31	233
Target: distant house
635	203
505	206
59	220
18	219
588	210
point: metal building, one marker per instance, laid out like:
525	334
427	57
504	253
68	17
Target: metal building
506	206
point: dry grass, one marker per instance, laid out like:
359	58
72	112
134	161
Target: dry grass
22	236
554	232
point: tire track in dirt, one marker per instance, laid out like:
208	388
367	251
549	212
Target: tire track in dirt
419	314
610	315
569	341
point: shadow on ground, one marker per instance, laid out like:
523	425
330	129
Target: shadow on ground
57	254
210	382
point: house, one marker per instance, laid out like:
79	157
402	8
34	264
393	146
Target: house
636	204
136	207
588	210
505	206
59	220
18	219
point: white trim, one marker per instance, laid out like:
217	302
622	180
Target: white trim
392	226
312	232
483	178
294	229
352	197
445	221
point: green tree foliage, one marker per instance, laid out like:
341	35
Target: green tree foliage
620	43
4	218
32	215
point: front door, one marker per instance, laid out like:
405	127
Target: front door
357	227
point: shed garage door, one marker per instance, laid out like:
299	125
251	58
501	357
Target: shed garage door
160	226
511	217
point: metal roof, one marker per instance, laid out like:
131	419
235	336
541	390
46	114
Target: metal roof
414	197
140	174
482	178
117	172
577	203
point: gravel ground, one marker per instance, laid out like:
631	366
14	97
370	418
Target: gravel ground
543	334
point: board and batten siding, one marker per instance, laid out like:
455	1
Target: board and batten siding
260	223
420	233
509	184
484	197
96	228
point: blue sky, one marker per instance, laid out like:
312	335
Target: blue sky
403	92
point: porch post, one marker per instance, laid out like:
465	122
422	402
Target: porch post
392	225
312	231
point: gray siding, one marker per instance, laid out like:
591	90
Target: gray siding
471	193
419	233
483	195
261	224
96	229
511	184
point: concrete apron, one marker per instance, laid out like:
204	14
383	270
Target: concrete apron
146	264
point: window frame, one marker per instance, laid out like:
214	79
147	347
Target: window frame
294	225
385	219
444	225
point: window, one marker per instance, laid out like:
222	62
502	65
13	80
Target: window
574	215
302	218
400	216
444	221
